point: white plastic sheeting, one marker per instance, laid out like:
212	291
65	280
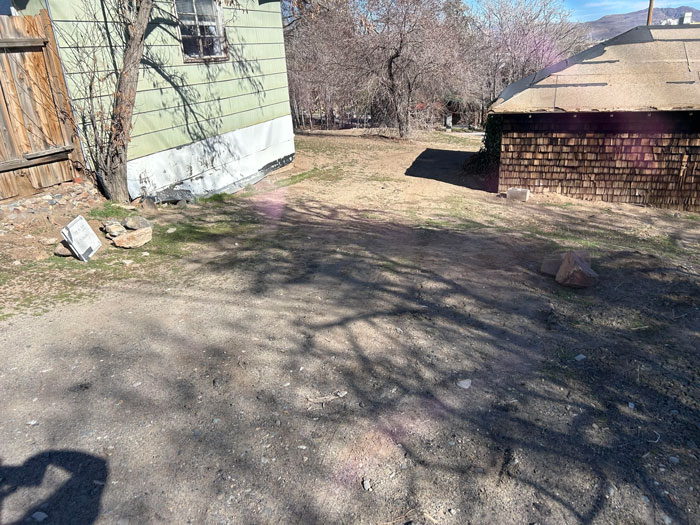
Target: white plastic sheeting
226	162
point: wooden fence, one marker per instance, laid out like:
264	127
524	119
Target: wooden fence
38	142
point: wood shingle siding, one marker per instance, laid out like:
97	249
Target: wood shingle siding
656	162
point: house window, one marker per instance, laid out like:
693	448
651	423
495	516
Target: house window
201	30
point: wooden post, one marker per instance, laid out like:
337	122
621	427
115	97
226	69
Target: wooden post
651	12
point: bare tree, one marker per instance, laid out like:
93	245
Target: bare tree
107	83
408	60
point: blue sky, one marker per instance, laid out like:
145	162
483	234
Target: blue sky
594	9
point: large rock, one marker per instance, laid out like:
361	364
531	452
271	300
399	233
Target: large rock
552	263
575	272
136	223
134	239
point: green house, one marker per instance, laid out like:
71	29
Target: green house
212	110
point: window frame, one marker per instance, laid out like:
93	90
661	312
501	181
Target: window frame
224	56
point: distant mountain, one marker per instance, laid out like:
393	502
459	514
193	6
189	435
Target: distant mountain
612	25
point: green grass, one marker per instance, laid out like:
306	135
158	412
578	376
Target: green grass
109	211
605	239
328	174
560	204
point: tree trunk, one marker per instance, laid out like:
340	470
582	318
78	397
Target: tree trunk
114	180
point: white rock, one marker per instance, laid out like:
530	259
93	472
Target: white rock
464	383
518	194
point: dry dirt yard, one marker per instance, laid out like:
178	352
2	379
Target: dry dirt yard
292	355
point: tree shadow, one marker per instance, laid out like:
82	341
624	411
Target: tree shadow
272	325
75	500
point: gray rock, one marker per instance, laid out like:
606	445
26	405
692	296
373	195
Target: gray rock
136	223
172	196
580	357
181	204
39	516
674	460
366	484
114	229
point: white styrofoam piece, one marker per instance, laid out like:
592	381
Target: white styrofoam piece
81	238
215	164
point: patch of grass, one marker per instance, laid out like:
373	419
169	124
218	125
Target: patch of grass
559	204
692	217
453	224
605	239
109	211
329	174
218	198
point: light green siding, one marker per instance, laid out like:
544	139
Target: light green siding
178	103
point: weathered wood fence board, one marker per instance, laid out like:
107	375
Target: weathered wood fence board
38	139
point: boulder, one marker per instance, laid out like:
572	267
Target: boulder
552	263
62	250
136	223
518	194
575	272
134	239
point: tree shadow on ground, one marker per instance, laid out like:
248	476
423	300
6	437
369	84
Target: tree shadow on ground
324	348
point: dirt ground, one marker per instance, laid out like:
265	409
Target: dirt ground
292	354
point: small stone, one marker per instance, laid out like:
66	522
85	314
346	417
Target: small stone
576	273
16	263
181	204
518	194
127	262
645	499
452	511
39	516
136	223
366	484
631	405
580	357
172	230
145	254
674	460
134	239
49	241
667	520
464	383
674	412
32	423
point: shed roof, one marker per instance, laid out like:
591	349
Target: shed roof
649	68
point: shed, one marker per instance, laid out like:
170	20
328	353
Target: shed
619	122
212	109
